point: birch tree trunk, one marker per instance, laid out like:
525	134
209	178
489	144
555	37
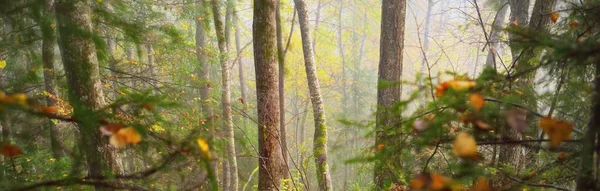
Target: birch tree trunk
271	163
85	92
230	171
320	137
390	70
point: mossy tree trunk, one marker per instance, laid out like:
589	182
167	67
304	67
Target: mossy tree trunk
271	163
48	48
393	16
230	181
85	90
320	137
204	76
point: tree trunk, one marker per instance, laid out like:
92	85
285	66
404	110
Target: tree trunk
495	36
48	47
317	19
588	165
230	172
281	75
519	14
242	77
320	137
344	92
271	163
204	75
85	92
390	70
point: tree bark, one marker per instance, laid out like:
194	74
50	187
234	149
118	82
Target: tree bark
85	90
390	70
320	137
495	36
204	75
230	173
48	47
281	75
242	76
271	163
519	14
588	165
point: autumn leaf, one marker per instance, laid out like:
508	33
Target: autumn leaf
2	64
482	185
517	119
420	182
438	182
516	23
562	156
557	130
125	136
433	181
148	106
482	125
464	145
111	128
457	84
50	109
477	101
204	149
10	150
554	17
574	24
380	147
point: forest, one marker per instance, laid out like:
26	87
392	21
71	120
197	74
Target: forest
300	95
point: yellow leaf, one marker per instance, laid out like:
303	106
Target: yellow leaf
204	149
557	130
2	64
554	17
464	145
477	101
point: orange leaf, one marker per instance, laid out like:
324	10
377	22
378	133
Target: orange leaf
438	182
481	185
457	84
125	136
557	130
10	150
554	17
148	106
562	156
477	101
574	24
380	147
111	128
50	109
465	146
516	23
482	125
420	182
